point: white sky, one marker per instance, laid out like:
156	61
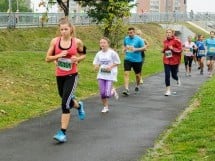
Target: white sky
201	5
195	5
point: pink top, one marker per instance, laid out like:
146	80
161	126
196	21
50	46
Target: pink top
64	65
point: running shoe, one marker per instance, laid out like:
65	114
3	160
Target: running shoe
136	89
126	92
60	137
209	74
105	110
167	93
179	82
201	72
81	112
115	94
141	81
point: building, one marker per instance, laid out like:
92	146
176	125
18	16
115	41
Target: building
144	6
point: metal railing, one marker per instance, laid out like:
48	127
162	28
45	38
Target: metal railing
21	19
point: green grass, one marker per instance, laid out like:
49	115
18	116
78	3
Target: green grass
194	136
27	83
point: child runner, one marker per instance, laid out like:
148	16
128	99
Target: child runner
66	50
106	62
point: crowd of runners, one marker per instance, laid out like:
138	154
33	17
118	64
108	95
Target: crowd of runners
66	51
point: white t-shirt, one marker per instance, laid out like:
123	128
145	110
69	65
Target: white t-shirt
105	59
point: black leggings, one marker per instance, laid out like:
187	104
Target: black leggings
66	88
173	69
188	60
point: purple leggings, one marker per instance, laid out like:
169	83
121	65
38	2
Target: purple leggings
105	87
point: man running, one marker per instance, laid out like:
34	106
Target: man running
133	46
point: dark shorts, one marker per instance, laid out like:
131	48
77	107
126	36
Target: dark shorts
137	66
199	57
210	57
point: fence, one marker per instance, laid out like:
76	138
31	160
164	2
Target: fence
11	20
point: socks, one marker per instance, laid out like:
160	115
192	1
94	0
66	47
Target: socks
63	130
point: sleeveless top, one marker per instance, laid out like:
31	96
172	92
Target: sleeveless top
64	65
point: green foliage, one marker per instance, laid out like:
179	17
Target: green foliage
110	16
4	6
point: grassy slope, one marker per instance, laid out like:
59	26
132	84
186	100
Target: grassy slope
27	82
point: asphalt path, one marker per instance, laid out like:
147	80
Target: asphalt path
124	134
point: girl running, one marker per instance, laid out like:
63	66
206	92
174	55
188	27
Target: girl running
66	50
106	62
188	48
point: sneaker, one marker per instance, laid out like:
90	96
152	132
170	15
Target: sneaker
186	74
136	89
115	94
126	92
105	110
199	68
141	81
60	137
179	82
167	93
81	112
209	75
201	72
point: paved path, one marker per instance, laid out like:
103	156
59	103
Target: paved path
124	134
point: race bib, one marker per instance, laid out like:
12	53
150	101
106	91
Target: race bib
168	53
103	69
201	52
64	64
212	49
130	48
188	51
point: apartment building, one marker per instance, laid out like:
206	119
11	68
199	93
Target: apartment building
144	6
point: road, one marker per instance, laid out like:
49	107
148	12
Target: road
124	134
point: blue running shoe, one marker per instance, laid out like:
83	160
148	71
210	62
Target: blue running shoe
60	137
81	112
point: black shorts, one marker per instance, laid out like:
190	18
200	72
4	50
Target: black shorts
137	66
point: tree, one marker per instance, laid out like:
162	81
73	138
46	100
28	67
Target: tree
64	6
110	15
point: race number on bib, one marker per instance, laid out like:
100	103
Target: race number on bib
201	52
64	64
212	49
103	69
168	53
130	48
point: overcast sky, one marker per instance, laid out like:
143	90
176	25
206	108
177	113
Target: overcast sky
201	5
195	5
